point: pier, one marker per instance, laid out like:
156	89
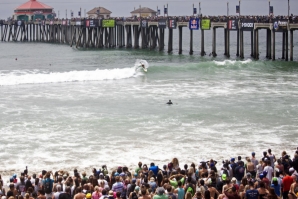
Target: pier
146	34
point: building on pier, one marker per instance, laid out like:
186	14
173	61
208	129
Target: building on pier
99	12
33	10
143	12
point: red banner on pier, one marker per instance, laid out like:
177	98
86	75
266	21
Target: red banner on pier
233	24
172	24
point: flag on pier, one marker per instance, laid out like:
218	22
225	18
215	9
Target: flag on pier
79	13
194	11
238	9
271	10
166	11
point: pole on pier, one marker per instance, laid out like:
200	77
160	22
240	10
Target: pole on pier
202	43
214	42
199	8
191	43
273	45
283	45
227	9
291	45
180	39
287	45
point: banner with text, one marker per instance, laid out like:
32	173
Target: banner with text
233	24
144	23
108	23
247	24
162	23
280	25
172	24
205	24
194	24
92	23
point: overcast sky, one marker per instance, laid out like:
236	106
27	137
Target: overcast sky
121	8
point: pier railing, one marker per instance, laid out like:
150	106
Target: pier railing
129	32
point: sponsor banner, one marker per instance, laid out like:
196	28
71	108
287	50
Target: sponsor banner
247	24
108	23
51	22
144	23
194	24
205	24
162	23
68	22
92	23
63	22
19	23
280	25
233	24
78	23
172	24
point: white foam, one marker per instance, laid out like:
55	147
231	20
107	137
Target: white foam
72	76
231	62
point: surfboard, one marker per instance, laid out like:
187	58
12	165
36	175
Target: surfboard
145	69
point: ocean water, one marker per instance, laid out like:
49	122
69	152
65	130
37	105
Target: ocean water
66	108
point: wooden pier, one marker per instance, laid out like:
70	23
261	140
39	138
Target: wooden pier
95	33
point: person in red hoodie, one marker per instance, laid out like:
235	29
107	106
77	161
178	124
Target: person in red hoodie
286	185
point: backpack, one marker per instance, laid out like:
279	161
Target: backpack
47	186
134	196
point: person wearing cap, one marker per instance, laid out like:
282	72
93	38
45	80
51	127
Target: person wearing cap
159	194
152	184
153	168
276	186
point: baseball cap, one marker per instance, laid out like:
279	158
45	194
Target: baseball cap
232	159
253	153
137	188
248	174
274	179
291	169
133	180
261	176
224	176
88	195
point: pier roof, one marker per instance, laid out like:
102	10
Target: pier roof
33	4
101	11
143	10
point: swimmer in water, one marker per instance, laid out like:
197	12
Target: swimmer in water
169	102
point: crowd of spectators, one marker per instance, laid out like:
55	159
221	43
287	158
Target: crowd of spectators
269	177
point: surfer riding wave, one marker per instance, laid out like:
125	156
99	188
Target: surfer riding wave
141	64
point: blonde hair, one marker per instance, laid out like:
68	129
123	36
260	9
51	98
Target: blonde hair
175	162
188	195
27	195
